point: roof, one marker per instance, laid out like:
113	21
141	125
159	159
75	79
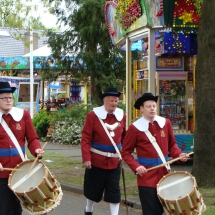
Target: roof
42	51
11	47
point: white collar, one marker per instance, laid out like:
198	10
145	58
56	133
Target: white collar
16	113
102	113
142	124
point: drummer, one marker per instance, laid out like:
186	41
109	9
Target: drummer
137	138
20	123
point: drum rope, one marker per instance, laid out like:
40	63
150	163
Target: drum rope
41	193
166	205
192	207
178	206
17	196
48	182
200	201
29	199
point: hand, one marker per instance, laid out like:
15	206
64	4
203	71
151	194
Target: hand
141	170
184	156
1	168
87	164
39	153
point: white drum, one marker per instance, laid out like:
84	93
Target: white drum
38	190
179	194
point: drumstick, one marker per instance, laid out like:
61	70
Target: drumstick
11	169
169	162
35	160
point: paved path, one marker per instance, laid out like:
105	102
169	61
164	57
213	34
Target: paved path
73	201
73	204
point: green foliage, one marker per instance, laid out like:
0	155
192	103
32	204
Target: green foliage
68	123
122	106
198	4
75	111
41	123
17	14
103	62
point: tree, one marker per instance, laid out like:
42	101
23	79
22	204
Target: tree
17	14
88	40
204	159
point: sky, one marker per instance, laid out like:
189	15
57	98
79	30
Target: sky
47	19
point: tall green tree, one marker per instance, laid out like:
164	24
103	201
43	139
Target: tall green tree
204	146
88	40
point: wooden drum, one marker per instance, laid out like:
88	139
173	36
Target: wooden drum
38	190
179	194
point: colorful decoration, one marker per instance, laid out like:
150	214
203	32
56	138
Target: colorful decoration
160	12
128	11
185	16
154	12
180	43
113	25
107	5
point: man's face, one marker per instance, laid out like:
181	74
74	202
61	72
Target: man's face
149	109
110	103
6	105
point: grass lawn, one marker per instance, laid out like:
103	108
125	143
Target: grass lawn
71	171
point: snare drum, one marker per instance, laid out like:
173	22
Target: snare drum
38	190
178	193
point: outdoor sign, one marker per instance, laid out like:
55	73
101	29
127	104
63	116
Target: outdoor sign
8	63
23	63
169	63
55	85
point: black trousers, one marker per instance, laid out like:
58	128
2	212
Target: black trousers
98	181
9	204
149	201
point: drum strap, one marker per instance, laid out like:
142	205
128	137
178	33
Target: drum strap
157	148
13	138
111	139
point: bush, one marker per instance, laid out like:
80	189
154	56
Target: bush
75	111
41	123
68	122
67	132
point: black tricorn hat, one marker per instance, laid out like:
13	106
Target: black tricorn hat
110	91
143	98
6	88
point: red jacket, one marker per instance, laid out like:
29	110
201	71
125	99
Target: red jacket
136	139
9	157
93	132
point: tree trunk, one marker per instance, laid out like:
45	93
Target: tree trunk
95	91
204	147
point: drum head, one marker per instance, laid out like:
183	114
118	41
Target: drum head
23	181
175	185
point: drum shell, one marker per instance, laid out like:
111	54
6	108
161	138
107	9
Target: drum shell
41	188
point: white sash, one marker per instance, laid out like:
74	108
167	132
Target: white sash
157	148
13	138
111	139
